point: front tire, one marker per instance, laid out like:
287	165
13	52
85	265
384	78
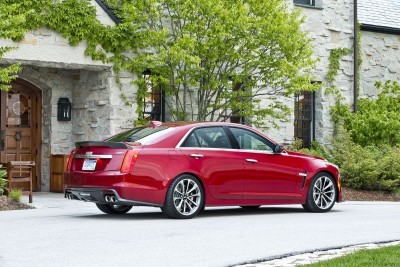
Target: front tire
113	209
321	194
185	198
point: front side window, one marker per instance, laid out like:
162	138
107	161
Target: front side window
304	117
249	140
208	137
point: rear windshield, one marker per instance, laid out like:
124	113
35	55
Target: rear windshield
137	134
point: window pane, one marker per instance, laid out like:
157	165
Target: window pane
152	106
305	2
18	110
251	141
191	141
303	113
214	137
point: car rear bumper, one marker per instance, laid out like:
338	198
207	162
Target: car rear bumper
101	196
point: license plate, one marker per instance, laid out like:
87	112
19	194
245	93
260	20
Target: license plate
89	165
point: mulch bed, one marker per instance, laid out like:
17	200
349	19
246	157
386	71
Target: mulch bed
8	204
356	195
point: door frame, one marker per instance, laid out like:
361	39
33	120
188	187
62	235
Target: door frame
31	89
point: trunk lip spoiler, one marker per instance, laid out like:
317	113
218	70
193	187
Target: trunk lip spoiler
101	143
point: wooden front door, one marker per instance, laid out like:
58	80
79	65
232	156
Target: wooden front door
19	125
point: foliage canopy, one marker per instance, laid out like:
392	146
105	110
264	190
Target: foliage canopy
200	51
197	50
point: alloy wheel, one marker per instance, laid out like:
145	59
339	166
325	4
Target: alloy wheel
324	193
187	197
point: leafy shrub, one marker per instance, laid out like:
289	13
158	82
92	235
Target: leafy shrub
377	121
367	150
316	149
15	194
3	182
361	167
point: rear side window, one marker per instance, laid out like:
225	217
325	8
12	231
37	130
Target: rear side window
211	137
137	134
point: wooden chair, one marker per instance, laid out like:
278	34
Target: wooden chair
19	172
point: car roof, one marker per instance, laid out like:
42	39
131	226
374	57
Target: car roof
192	124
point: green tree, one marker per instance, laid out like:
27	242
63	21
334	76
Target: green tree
200	51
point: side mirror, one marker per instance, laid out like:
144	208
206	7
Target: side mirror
277	148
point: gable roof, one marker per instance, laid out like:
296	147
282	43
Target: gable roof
108	10
379	15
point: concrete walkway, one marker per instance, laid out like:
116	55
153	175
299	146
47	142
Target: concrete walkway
45	200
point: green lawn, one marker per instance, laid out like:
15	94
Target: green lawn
387	256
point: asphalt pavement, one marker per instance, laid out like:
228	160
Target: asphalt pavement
61	232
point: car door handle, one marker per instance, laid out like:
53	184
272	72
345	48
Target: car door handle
252	160
196	156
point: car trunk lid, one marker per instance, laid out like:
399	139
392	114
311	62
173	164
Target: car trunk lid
92	156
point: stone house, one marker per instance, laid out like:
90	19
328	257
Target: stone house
331	26
55	73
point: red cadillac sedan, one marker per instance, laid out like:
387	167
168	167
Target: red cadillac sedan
184	167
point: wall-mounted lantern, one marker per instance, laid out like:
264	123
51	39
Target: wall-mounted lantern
64	109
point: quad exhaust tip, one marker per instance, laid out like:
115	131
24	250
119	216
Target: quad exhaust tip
110	199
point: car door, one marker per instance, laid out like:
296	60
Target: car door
210	152
268	175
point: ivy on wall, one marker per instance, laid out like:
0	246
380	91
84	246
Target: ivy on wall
75	20
10	28
340	107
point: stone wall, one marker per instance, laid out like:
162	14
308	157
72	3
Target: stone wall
381	60
329	26
97	108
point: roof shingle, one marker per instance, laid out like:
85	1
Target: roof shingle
380	13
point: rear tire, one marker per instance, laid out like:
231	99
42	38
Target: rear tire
185	198
113	209
321	194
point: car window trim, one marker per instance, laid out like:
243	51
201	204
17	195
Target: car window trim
232	150
237	149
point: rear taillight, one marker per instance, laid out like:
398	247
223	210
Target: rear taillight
69	162
129	161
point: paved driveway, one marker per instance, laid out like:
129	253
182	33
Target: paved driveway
71	233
